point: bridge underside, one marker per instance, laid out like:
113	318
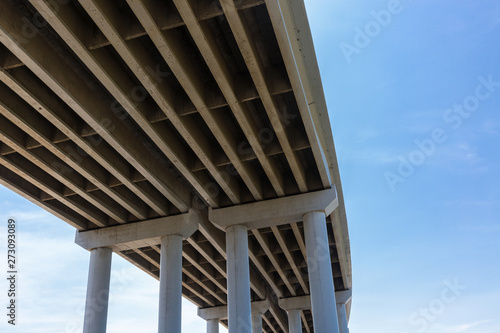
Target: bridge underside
117	112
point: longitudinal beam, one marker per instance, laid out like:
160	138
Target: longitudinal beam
256	68
177	58
27	190
14	138
63	167
72	89
204	11
96	157
285	31
46	183
67	23
214	59
138	60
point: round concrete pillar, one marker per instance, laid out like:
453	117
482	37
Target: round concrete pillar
96	305
170	309
213	326
342	315
238	280
323	303
256	322
294	321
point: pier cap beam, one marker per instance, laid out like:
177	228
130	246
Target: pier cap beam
275	212
140	234
220	312
343	296
295	303
304	302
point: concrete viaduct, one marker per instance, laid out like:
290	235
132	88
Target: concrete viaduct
190	137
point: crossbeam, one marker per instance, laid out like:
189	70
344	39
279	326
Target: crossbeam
275	212
139	234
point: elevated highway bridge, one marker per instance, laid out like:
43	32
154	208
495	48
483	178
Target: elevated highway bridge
190	137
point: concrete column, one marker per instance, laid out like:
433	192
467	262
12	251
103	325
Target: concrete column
238	280
323	303
256	322
213	326
342	316
294	321
170	310
96	305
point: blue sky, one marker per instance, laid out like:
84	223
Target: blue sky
439	221
420	175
